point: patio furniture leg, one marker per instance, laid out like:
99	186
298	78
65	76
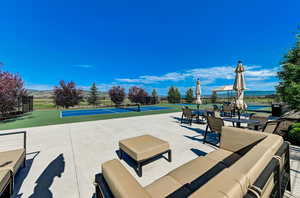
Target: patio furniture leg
181	118
121	153
24	163
204	140
139	169
170	156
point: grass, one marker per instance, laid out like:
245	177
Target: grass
52	117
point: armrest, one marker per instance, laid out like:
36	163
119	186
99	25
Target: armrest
121	183
15	133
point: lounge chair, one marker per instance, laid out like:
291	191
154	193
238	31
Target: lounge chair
188	115
6	183
11	161
215	124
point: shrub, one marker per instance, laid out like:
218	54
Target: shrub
11	89
294	134
67	95
117	94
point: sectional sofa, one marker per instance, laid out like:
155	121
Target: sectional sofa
248	164
10	162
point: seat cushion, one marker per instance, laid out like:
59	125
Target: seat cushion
226	157
163	187
5	176
121	183
12	159
196	168
143	147
226	184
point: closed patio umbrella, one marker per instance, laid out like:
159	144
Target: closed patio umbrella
198	93
239	86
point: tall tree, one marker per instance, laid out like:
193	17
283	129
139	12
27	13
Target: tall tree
93	95
67	95
137	95
174	95
189	96
214	97
117	94
11	89
289	76
154	93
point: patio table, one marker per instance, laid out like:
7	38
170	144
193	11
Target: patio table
201	112
239	121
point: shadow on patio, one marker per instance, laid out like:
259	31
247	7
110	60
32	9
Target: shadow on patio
45	180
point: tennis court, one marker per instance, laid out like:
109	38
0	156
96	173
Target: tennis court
85	112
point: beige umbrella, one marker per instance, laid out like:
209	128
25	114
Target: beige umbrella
239	86
198	93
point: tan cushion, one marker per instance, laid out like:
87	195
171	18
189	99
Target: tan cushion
121	183
163	187
193	169
226	157
5	176
236	139
12	159
143	147
225	184
253	162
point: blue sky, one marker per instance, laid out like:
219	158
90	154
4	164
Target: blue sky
153	44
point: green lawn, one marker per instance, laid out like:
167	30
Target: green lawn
51	117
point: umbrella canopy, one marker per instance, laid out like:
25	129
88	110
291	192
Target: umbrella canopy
239	86
198	92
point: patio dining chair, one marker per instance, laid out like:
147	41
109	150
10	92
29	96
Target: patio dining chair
188	115
227	111
270	126
215	125
262	122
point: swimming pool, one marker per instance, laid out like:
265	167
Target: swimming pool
85	112
257	107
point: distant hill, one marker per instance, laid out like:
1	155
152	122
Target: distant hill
49	93
249	93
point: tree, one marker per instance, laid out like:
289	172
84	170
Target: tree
117	94
11	89
137	95
154	93
189	95
289	76
214	97
93	95
67	95
174	95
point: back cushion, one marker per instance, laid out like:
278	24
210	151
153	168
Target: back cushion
239	140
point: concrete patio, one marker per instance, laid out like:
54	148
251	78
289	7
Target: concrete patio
63	159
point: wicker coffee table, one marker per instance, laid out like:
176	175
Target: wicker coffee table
144	149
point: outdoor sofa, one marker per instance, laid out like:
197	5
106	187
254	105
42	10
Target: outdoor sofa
10	162
248	164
